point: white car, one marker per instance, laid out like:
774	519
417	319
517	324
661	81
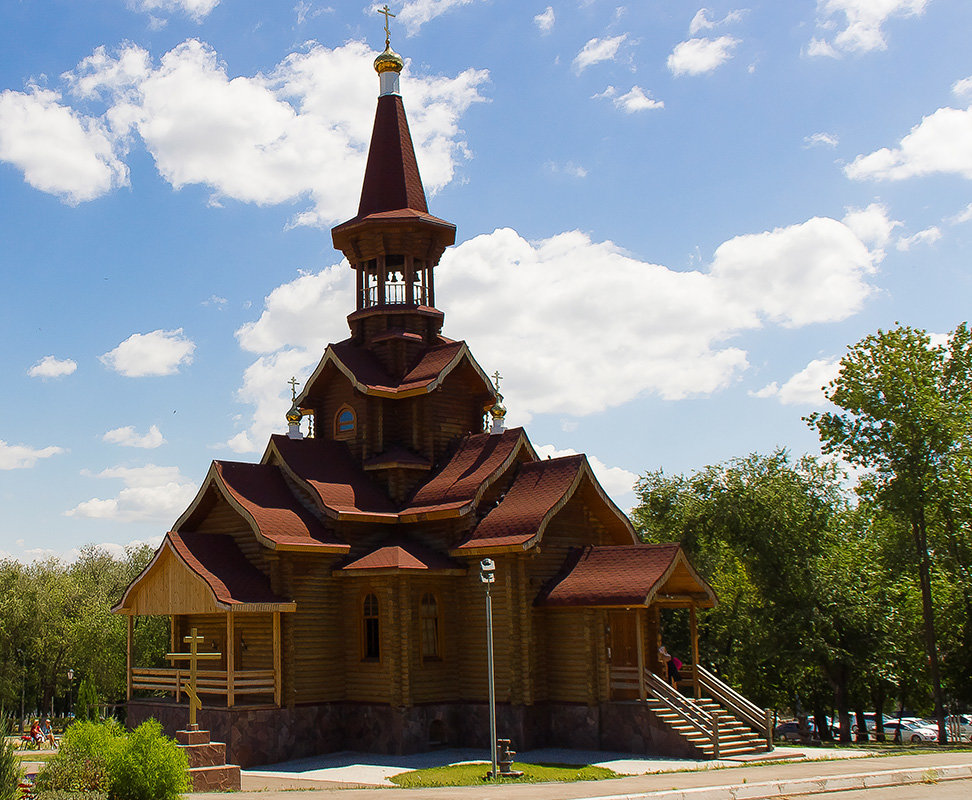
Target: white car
910	732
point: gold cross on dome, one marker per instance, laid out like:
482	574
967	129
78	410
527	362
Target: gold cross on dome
496	379
294	383
387	12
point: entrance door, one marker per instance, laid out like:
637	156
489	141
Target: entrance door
623	655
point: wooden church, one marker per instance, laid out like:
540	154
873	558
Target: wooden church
339	577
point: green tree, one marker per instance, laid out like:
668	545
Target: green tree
906	407
779	544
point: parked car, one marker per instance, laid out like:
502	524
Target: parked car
789	731
913	731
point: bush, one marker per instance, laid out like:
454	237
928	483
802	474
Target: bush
86	706
98	760
9	766
146	765
81	763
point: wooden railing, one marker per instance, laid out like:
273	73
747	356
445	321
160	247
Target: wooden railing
253	681
754	716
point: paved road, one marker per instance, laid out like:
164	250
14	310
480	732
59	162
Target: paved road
637	785
947	790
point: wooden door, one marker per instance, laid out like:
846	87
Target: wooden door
623	655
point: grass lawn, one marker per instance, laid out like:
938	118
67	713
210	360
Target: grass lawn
472	775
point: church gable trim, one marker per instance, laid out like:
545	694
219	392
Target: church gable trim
368	377
259	494
626	576
539	491
198	573
480	460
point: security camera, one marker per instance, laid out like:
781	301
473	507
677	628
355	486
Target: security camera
487	565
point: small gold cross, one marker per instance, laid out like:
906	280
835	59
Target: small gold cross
294	383
496	379
387	12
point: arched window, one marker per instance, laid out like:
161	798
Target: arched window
369	628
345	423
429	620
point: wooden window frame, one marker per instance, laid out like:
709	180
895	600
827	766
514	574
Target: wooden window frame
436	619
345	434
375	619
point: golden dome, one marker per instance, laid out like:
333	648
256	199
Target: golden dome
498	411
294	415
389	61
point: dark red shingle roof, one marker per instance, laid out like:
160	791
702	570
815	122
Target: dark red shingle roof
625	575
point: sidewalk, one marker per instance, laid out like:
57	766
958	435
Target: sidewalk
656	779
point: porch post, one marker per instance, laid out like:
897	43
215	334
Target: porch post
694	625
230	658
128	658
640	640
276	659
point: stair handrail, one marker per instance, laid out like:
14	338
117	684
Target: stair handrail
697	717
743	708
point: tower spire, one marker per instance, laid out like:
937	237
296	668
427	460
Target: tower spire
389	64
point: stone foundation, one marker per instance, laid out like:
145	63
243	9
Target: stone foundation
264	735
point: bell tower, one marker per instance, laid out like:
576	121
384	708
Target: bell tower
393	244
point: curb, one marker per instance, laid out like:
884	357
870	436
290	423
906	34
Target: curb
790	788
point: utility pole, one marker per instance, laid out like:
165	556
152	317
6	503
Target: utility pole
487	568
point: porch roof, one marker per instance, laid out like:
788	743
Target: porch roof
626	576
200	573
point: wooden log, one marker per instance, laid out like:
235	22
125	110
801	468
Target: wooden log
230	658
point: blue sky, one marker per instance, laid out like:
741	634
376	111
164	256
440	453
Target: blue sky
672	220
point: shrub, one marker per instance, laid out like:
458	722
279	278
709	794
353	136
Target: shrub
86	706
145	765
81	763
9	766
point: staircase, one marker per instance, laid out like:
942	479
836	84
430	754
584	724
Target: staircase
722	725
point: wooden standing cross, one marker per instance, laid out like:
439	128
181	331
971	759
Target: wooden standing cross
193	656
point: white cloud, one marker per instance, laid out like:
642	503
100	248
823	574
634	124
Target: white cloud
198	10
149	493
634	100
698	56
597	50
806	387
59	150
298	134
871	225
701	22
662	332
545	20
926	236
156	353
940	143
863	21
965	215
21	456
415	13
568	168
616	481
127	437
962	86
821	139
51	367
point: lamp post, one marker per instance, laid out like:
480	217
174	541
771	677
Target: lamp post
487	568
70	688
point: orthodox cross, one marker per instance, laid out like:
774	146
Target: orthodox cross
496	379
193	656
387	12
294	383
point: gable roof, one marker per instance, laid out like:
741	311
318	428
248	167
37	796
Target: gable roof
402	556
259	493
231	582
328	473
476	464
632	575
538	492
368	376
